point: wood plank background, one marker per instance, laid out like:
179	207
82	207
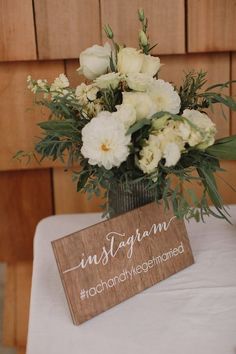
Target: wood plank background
44	38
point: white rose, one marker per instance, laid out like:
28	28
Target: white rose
139	81
151	65
129	60
126	113
95	61
172	154
164	96
204	134
108	80
142	103
150	155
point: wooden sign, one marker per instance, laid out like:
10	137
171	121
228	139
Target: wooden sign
109	262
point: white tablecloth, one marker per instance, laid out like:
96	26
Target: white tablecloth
192	312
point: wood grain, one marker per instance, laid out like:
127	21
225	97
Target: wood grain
17	30
218	67
21	350
166	22
19	116
16	305
211	25
67	200
9	309
233	91
26	198
23	288
73	76
65	28
147	252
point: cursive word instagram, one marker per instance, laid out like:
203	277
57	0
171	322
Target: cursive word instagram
113	237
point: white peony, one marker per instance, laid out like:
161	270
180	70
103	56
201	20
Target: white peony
142	103
151	65
110	80
204	134
129	60
95	61
171	154
126	113
104	141
150	155
139	81
164	96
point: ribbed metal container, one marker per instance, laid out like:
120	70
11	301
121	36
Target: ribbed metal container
121	201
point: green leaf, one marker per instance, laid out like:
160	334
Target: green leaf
224	149
83	178
56	125
208	180
138	125
221	86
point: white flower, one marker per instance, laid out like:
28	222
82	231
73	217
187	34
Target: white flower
142	103
200	120
37	85
184	130
139	81
130	60
95	61
91	109
169	134
150	155
110	80
126	113
204	134
172	154
104	141
160	123
87	98
151	65
164	96
42	84
60	83
85	93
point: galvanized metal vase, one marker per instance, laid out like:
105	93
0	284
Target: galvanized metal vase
121	200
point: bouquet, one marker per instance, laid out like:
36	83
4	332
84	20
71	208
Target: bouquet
125	125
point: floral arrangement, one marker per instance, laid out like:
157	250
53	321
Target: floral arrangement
126	125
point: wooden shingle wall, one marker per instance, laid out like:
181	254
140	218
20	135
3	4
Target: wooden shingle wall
44	38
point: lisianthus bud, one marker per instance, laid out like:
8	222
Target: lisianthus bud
108	31
143	38
141	14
